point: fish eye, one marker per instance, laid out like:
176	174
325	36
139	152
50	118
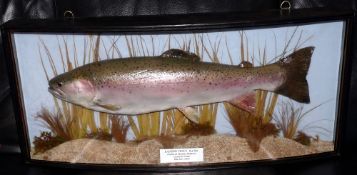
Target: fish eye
59	84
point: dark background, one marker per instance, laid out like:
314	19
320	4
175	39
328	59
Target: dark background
10	159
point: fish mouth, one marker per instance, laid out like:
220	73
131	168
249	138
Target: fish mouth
56	92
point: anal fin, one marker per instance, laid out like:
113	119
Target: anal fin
190	113
245	102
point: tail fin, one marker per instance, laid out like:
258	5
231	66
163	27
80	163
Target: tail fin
296	66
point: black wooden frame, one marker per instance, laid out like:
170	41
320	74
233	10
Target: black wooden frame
178	24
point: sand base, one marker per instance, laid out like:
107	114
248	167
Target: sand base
217	148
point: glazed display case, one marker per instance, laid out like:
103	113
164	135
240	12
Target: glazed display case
180	91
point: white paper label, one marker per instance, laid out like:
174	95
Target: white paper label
181	155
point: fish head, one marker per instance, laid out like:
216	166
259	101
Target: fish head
74	90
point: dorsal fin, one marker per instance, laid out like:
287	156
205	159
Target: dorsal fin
177	53
245	64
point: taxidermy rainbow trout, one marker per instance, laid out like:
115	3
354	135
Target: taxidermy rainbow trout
178	79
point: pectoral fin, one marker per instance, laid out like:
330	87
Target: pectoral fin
109	107
190	113
245	102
